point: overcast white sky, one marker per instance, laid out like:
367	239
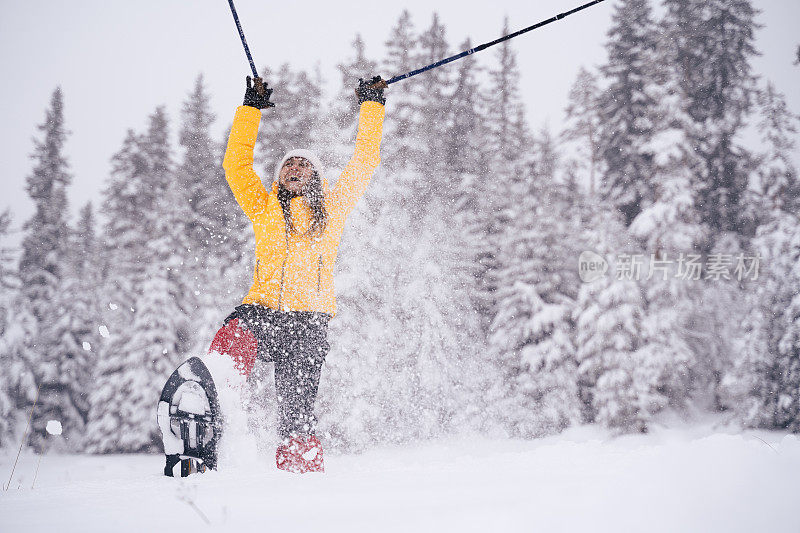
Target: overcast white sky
116	61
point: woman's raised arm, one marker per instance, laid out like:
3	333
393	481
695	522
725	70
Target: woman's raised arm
359	170
238	163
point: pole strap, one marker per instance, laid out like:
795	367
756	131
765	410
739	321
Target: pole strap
486	45
244	41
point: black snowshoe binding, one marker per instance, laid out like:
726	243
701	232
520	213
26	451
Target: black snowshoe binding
189	419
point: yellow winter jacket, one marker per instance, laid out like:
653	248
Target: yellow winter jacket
294	272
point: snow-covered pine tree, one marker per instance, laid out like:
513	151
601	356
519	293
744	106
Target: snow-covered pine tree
135	207
430	289
582	128
531	333
779	182
437	86
141	171
508	142
8	274
345	107
215	235
758	382
448	110
160	335
671	223
710	45
785	370
8	363
666	365
404	149
124	199
78	328
608	333
401	46
693	320
19	379
761	385
42	272
745	385
505	103
465	167
157	148
625	109
466	163
607	325
200	175
465	152
669	228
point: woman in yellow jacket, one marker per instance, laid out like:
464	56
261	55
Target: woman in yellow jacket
298	223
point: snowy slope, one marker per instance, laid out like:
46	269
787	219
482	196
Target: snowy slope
670	481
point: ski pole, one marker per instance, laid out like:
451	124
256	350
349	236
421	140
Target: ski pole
244	42
22	443
492	43
38	464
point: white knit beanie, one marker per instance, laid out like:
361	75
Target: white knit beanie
316	162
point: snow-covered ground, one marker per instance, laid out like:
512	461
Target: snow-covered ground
671	480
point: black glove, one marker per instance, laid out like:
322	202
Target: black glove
371	90
257	96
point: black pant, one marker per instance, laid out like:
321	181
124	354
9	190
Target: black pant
297	342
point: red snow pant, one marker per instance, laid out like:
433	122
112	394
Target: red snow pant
297	342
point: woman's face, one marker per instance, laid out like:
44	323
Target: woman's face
295	174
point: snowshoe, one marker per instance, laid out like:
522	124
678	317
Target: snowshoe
189	419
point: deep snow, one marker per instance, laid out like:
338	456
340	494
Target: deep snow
671	480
